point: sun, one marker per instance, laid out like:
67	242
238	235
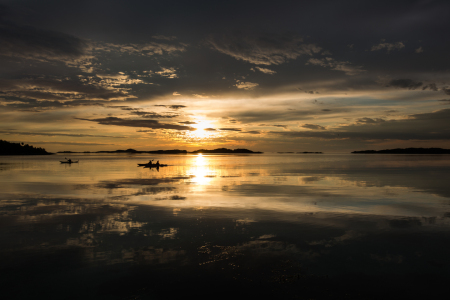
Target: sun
203	130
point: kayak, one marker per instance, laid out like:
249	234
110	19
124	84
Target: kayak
68	162
152	165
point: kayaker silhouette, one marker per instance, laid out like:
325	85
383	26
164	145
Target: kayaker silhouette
157	163
150	162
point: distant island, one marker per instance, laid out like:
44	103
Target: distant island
306	152
406	151
175	151
9	148
225	150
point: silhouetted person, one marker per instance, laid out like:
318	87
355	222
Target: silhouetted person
150	162
157	164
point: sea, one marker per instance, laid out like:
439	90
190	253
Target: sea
291	226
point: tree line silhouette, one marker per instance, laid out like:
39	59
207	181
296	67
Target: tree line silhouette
9	148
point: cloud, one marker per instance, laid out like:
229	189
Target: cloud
281	126
151	115
172	106
200	96
145	114
265	115
168	72
143	49
56	134
424	126
188	122
388	46
230	129
61	89
264	70
405	84
245	85
431	86
330	62
33	105
262	48
162	37
33	43
153	124
370	121
313	126
308	92
419	50
252	132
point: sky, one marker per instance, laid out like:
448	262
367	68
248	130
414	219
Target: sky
272	76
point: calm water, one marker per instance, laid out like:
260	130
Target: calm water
292	226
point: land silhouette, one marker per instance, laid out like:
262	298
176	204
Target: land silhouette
406	151
175	151
10	148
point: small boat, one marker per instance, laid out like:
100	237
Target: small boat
152	165
68	162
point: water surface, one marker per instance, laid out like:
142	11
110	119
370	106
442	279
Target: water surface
295	226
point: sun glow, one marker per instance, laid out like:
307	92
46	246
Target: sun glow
203	130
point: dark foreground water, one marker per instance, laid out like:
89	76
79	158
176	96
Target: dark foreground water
302	226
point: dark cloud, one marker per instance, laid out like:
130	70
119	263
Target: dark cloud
56	88
281	126
33	43
313	126
153	115
424	126
153	124
172	106
446	90
405	84
388	46
30	94
210	129
188	122
147	114
431	86
370	121
34	105
405	223
230	129
252	132
329	62
57	134
262	48
143	49
289	115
